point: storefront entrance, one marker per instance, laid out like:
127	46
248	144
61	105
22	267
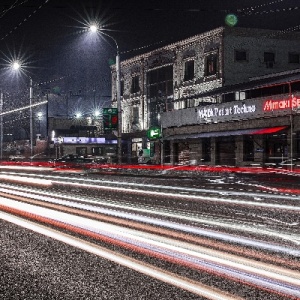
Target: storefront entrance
225	151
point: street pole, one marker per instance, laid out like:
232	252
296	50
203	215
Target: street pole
1	121
31	118
291	123
94	28
118	86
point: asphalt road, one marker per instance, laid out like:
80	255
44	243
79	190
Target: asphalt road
38	267
35	267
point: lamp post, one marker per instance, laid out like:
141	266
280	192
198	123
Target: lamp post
16	66
30	116
94	28
1	121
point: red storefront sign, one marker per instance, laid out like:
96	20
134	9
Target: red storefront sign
291	103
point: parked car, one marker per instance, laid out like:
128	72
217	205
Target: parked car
72	160
290	163
16	157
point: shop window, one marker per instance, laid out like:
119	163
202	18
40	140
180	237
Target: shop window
211	65
206	149
294	58
81	151
189	70
240	55
248	148
97	151
167	152
135	87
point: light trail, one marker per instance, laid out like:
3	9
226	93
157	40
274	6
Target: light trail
147	269
90	205
166	228
23	179
257	274
22	108
161	187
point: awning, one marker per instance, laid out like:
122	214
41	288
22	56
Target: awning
253	131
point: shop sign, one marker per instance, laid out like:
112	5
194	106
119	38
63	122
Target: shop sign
79	140
280	104
223	111
153	133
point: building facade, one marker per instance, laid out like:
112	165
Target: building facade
259	130
192	90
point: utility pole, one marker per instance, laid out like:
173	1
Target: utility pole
1	121
31	118
118	86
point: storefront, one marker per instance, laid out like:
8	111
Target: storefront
86	146
250	132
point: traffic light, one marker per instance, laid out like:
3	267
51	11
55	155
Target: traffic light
106	122
110	119
114	121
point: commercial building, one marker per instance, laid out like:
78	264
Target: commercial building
219	98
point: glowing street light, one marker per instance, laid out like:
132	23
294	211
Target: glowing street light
97	113
78	115
94	28
16	66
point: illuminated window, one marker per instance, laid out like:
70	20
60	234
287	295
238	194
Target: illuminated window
97	151
240	95
211	65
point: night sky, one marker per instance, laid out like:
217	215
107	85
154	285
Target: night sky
51	36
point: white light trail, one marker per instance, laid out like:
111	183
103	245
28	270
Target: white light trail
167	277
262	276
184	196
90	206
184	190
26	179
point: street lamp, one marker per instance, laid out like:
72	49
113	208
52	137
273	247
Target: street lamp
94	28
16	66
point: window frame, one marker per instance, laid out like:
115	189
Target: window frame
292	55
189	70
135	84
238	52
267	55
211	61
